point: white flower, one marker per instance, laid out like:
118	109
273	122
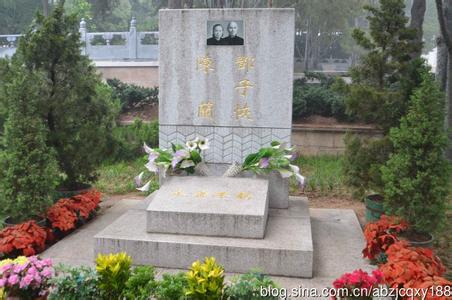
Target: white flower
187	164
179	156
151	166
147	149
285	173
295	169
203	144
300	179
146	187
191	145
138	179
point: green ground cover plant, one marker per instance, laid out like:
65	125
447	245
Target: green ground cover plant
132	96
324	174
127	141
118	177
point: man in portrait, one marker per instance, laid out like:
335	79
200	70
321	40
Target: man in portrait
217	36
233	38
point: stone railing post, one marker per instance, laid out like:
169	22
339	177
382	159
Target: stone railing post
132	40
82	31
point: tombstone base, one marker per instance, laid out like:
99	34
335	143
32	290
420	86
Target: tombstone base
286	249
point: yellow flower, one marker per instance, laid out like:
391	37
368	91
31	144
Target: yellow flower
21	260
5	262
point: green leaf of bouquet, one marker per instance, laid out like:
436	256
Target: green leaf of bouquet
251	159
195	156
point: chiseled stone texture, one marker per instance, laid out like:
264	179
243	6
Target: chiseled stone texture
286	250
211	206
269	39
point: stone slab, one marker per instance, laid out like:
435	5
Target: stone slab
185	86
286	249
213	206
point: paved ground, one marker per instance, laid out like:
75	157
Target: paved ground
337	239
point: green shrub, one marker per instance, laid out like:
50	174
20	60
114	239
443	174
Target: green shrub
141	283
318	98
77	107
205	280
128	140
171	287
133	96
114	271
363	159
73	283
28	168
248	286
416	175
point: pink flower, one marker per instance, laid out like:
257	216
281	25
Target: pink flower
47	272
13	279
47	262
2	283
378	276
264	162
28	279
19	268
6	268
32	271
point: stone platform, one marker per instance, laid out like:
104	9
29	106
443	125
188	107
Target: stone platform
210	206
285	250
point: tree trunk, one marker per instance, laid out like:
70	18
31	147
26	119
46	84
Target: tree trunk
175	4
449	107
45	7
417	19
445	24
307	48
441	63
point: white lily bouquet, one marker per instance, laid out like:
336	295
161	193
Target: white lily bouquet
275	158
178	159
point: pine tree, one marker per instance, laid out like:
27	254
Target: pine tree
28	168
416	175
77	108
386	75
379	93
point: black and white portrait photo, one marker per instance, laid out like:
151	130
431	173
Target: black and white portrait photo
225	33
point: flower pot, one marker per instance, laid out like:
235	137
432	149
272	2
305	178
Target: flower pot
374	207
67	193
418	239
9	222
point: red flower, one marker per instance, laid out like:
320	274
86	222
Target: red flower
23	239
381	234
407	267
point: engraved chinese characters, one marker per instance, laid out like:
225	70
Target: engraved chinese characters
244	64
202	194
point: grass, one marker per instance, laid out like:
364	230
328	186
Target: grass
117	177
323	174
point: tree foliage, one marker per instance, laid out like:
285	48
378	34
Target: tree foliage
77	108
28	168
416	174
382	85
16	15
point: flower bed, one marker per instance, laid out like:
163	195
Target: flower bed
28	238
399	264
114	278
